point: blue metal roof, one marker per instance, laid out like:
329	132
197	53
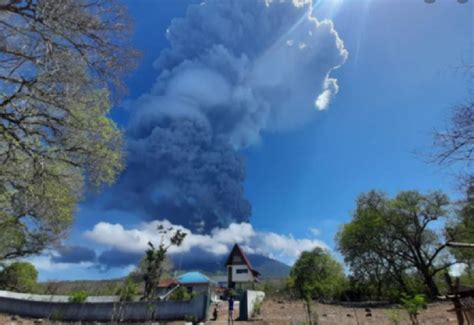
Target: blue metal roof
193	277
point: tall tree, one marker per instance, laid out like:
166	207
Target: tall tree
461	231
155	259
455	143
316	275
59	60
395	235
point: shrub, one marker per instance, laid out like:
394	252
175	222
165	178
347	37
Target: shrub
412	305
394	316
190	319
78	297
257	307
128	290
182	294
19	276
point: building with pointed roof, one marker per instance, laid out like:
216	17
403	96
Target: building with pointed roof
239	269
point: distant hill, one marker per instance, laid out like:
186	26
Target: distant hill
192	261
268	267
213	264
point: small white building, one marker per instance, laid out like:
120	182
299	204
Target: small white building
239	269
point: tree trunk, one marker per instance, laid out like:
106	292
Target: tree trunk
430	283
414	319
310	313
453	289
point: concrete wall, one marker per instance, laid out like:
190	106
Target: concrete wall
55	307
247	304
241	273
54	298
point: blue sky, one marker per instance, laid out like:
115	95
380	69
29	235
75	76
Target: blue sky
395	88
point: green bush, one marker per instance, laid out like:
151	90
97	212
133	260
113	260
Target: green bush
182	294
19	277
413	304
78	297
127	290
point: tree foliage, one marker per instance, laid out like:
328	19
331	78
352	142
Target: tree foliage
155	259
461	230
388	238
127	290
413	304
316	275
139	272
19	277
181	294
78	297
455	143
58	60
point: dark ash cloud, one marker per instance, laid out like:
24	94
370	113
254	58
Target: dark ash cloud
116	258
234	69
74	254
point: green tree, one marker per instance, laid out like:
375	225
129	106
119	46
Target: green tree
413	305
316	275
60	59
166	268
461	230
392	236
155	259
19	277
454	145
127	290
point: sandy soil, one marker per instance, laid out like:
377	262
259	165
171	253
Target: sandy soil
292	313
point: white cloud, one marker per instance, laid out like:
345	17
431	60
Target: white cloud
279	246
315	231
322	101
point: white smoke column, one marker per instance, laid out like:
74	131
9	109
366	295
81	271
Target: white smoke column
234	69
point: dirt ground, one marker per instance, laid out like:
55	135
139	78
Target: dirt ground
276	313
292	313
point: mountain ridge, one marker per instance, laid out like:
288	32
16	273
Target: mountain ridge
215	264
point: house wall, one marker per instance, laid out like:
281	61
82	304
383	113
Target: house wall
241	277
48	307
248	302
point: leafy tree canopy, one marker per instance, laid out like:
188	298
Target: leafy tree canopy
461	230
58	62
387	238
316	275
19	277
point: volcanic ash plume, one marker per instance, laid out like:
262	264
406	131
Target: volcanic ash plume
233	70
